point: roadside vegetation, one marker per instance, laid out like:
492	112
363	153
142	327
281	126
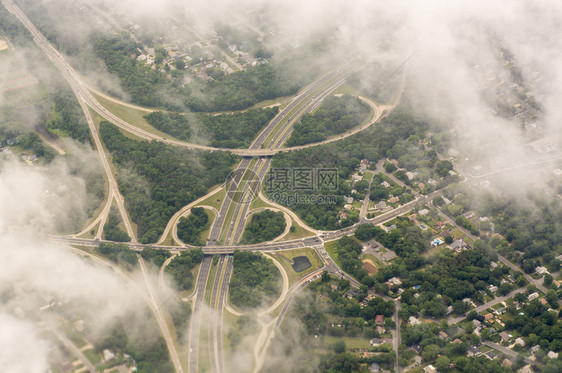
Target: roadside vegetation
263	226
118	254
236	130
111	229
180	268
334	116
255	280
190	228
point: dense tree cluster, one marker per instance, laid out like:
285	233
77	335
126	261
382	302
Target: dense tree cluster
336	115
235	130
255	280
264	226
157	179
155	256
66	118
348	251
111	229
118	253
190	228
180	267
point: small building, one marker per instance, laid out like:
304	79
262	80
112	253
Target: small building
440	225
409	175
443	335
430	369
489	317
381	205
493	288
473	351
379	341
541	270
468	215
388	256
108	355
348	199
379	319
456	245
423	212
535	349
505	336
355	178
371	244
533	296
413	320
375	368
552	355
394	200
520	342
394	281
385	184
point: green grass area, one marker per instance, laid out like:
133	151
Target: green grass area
169	240
300	232
205	234
259	203
374	259
331	249
346	89
278	100
368	175
210	282
92	355
229	321
215	200
293	276
130	115
350	342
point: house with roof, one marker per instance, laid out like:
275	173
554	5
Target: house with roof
379	319
423	212
388	256
430	369
505	336
533	296
541	270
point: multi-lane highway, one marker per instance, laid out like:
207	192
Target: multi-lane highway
229	223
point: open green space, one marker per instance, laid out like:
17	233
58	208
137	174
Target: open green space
284	257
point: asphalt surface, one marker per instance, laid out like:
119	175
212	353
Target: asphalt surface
195	326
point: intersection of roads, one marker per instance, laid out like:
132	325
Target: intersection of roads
226	231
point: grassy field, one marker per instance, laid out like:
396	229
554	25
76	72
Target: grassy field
373	259
346	89
291	254
130	115
350	342
331	249
300	232
214	200
205	234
